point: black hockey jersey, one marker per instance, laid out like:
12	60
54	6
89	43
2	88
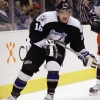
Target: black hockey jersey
47	26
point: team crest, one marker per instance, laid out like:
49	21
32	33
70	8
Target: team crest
42	18
65	5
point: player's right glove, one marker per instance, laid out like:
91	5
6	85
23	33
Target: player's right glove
51	49
88	59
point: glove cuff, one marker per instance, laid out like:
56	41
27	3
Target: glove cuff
84	53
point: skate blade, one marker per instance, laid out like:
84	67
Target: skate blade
94	94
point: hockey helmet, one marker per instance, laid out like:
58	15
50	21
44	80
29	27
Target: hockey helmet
63	5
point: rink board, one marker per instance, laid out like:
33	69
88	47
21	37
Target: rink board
14	46
40	84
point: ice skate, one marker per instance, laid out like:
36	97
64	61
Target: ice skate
94	90
48	97
12	98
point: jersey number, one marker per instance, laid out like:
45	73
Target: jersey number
38	27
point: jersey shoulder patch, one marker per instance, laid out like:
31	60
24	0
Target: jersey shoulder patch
47	17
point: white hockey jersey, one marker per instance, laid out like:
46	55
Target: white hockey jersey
47	26
95	12
97	8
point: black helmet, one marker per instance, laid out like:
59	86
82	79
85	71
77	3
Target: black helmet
63	5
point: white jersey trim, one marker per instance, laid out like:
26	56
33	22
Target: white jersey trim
51	16
47	17
74	22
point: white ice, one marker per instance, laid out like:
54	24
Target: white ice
76	91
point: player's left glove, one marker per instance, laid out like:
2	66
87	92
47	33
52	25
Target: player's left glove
94	22
88	59
51	49
95	26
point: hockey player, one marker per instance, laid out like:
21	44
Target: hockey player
94	16
48	28
95	26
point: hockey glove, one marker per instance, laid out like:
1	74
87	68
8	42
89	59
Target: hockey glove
88	59
51	49
94	22
95	26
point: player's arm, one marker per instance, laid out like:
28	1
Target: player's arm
38	37
89	59
94	22
94	19
77	44
36	32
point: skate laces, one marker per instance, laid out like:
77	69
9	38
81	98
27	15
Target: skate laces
49	97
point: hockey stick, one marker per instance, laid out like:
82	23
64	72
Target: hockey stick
78	54
63	45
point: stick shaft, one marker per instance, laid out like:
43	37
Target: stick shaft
78	54
63	45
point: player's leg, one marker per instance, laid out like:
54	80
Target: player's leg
96	89
53	67
33	60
